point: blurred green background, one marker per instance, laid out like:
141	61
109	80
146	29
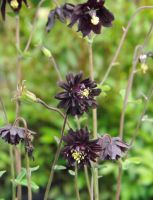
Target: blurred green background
71	54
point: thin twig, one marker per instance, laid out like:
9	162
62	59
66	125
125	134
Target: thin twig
28	177
122	40
94	114
76	182
18	80
56	67
11	155
55	160
87	180
40	101
33	26
149	96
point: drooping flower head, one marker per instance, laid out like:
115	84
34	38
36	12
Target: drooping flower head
78	95
112	147
61	13
91	16
79	149
14	4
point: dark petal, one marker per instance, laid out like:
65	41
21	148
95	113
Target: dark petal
68	9
84	25
51	20
63	85
74	19
78	78
62	95
3	6
96	28
70	79
64	104
95	3
96	92
60	15
105	16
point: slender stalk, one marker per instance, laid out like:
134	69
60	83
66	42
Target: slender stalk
87	180
11	155
12	172
18	77
119	180
123	39
76	182
28	178
56	67
55	160
33	26
94	113
149	96
40	101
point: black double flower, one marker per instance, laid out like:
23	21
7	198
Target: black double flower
14	4
90	16
79	148
113	148
78	94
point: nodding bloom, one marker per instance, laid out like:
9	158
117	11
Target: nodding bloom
79	148
14	4
78	95
113	148
89	16
14	135
61	13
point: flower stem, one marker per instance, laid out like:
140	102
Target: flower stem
28	177
12	173
94	113
87	180
18	80
55	160
76	182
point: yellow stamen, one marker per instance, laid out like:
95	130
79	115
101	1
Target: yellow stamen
78	156
14	4
85	93
94	20
144	68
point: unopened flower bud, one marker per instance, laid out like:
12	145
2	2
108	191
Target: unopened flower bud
46	52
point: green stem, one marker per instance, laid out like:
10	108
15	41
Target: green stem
76	182
28	178
94	113
87	180
12	173
55	160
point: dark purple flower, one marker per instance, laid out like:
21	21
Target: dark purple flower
78	94
112	147
79	149
61	13
91	16
14	4
13	134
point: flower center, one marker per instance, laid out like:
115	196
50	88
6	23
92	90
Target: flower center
85	92
94	20
77	155
14	4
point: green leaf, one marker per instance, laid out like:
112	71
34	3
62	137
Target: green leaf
33	169
21	175
104	88
34	186
129	161
71	172
1	173
59	167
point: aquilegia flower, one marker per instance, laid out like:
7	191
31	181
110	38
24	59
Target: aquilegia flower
112	147
13	134
14	4
78	94
91	16
61	13
79	149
